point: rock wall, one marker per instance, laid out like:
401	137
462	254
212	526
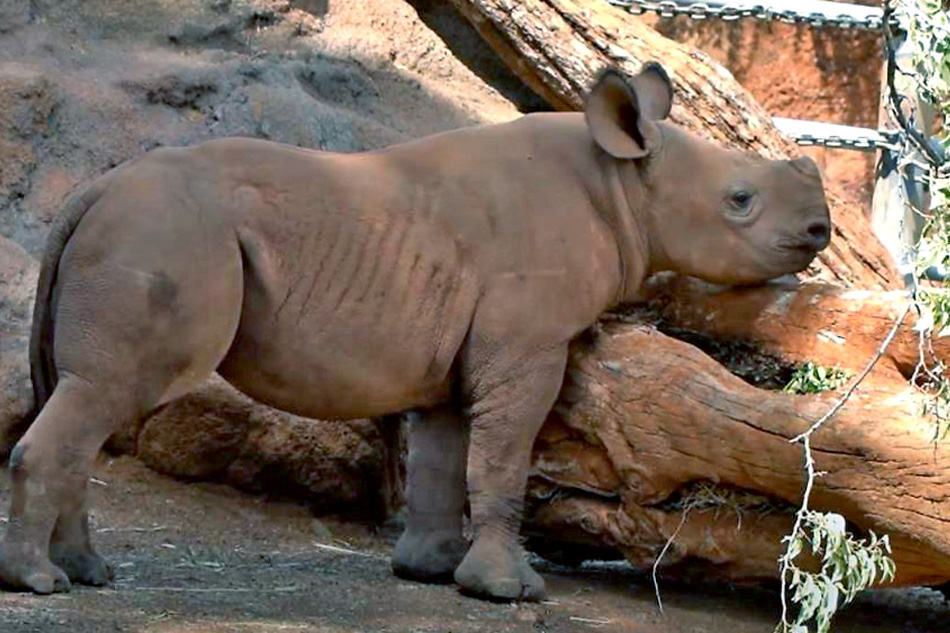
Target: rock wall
86	85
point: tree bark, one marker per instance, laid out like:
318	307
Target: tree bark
558	46
646	420
829	325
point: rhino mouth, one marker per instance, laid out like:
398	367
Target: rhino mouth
804	246
793	255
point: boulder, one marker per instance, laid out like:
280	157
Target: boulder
217	433
18	272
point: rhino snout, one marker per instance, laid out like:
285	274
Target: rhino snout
813	232
813	235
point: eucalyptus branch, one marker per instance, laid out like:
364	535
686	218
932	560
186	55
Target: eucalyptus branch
799	519
936	159
854	384
810	472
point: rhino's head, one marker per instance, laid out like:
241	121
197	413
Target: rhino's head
721	215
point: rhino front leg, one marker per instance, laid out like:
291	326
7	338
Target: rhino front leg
433	545
511	395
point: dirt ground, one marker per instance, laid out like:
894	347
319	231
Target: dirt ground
205	558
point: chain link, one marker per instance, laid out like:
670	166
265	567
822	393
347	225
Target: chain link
702	11
887	141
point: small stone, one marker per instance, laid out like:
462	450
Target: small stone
527	614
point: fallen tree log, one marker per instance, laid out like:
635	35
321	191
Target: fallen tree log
824	324
652	438
558	46
646	420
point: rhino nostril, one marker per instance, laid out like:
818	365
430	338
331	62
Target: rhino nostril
818	231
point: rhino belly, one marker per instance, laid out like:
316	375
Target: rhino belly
341	374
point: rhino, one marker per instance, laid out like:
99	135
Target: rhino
444	276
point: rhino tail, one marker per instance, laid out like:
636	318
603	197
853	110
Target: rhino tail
42	366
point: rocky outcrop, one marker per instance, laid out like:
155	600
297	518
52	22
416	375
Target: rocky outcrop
18	273
98	82
89	84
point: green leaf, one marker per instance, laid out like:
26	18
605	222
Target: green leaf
794	548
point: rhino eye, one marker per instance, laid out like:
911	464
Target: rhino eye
741	199
740	202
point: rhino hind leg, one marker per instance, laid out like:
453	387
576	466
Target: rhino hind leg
70	546
511	395
130	336
47	543
432	546
47	539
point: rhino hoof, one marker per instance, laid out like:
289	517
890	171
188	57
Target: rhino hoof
25	574
428	556
85	568
497	573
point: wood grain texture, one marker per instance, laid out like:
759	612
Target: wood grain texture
645	416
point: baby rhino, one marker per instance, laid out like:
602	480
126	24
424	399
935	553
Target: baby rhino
445	275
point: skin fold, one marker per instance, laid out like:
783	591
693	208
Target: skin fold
444	276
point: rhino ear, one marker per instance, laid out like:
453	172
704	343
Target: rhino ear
654	91
621	114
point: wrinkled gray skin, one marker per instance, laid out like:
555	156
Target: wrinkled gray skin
446	275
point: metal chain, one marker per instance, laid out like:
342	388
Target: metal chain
884	140
863	143
702	11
